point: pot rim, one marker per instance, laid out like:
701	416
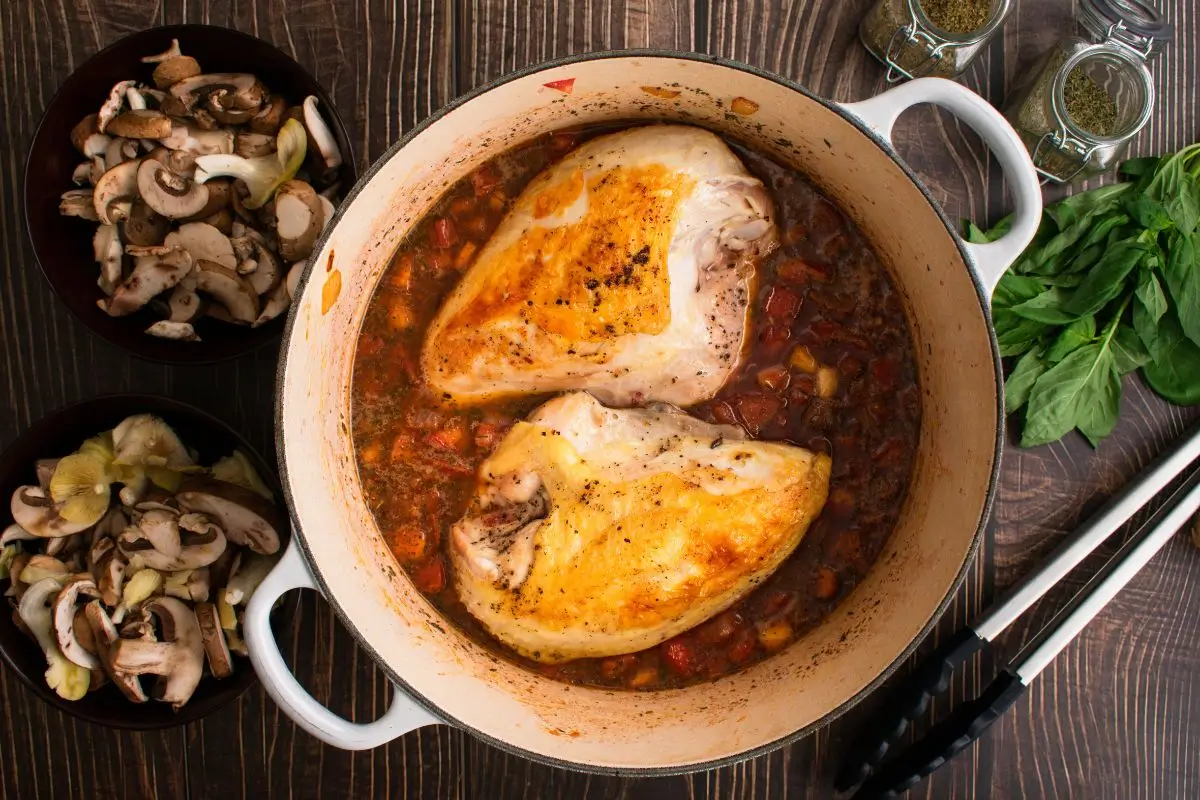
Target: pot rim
644	772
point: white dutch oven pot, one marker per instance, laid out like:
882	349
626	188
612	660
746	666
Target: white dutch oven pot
443	678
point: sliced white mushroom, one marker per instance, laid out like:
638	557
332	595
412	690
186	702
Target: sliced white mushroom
204	243
229	289
112	104
192	585
330	210
82	174
106	247
152	275
184	304
87	138
63	616
178	659
145	227
119	150
245	517
68	680
257	262
115	192
299	218
177	331
173	196
171	52
243	91
106	635
295	273
32	509
135	99
219	193
144	123
251	145
173	70
278	301
216	649
270	116
321	135
223	106
78	203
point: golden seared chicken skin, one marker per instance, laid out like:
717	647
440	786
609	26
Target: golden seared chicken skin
624	269
597	531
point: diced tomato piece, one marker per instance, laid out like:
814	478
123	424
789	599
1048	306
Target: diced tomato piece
782	304
566	85
883	370
723	413
757	409
430	577
774	378
743	647
465	254
797	271
484	179
401	448
775	334
680	658
477	227
720	629
616	666
461	206
371	454
408	542
452	438
443	234
777	601
497	199
437	261
825	585
488	435
562	141
400	272
369	345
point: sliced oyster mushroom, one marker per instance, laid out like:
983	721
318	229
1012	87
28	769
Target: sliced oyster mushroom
299	218
105	634
115	192
178	331
175	69
68	680
229	289
242	90
204	243
33	510
171	52
270	116
15	533
245	516
171	195
141	123
178	659
106	247
63	617
199	142
15	587
216	650
152	275
64	547
145	227
112	104
184	303
146	440
196	549
136	100
250	571
78	203
329	156
87	138
161	528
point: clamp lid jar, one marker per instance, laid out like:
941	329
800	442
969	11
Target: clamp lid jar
917	38
1091	94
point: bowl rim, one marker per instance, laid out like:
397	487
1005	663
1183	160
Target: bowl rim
160	405
349	164
980	526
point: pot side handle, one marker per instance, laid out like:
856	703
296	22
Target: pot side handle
403	716
880	114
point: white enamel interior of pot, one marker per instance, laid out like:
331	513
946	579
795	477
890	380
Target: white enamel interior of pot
818	673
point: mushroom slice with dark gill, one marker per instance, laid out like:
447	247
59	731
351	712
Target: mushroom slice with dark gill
229	289
246	517
152	275
173	196
115	192
242	89
204	243
63	617
112	104
106	247
69	680
178	659
196	549
105	634
216	649
78	203
33	510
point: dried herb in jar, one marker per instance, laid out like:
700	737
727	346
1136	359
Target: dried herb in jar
1089	105
880	29
957	16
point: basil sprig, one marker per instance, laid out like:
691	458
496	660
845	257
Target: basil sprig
1110	284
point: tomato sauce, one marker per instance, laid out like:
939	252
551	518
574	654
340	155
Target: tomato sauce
830	367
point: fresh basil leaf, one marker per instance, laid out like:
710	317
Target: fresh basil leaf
1046	262
1071	209
1184	207
1128	351
1014	289
1149	213
1136	167
1060	397
1014	334
1145	323
1175	372
1182	274
1106	280
1048	307
1098	416
1020	382
1066	280
1079	333
973	234
1151	295
1095	244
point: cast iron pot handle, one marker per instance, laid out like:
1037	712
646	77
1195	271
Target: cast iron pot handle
880	114
403	716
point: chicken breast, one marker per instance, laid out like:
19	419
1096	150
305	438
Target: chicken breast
597	532
623	269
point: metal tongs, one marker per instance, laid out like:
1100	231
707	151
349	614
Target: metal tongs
866	764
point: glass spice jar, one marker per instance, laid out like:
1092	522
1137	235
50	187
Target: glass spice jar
917	38
1091	94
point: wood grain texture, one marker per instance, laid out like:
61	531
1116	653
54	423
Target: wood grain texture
1112	718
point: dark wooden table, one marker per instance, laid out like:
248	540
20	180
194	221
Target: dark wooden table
1114	717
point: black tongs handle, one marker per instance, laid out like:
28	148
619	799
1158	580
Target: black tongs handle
905	704
966	724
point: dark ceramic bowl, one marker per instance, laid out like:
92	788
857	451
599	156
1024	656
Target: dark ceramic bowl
61	433
63	245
